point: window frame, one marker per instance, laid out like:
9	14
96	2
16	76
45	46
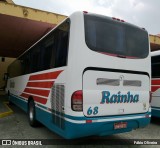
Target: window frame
124	26
38	43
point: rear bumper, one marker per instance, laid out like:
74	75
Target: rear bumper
76	127
75	130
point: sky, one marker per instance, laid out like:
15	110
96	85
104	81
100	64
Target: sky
143	13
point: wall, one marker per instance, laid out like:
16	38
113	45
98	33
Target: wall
3	69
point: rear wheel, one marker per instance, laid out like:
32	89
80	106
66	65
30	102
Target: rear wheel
32	114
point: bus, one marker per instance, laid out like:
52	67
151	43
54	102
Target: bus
90	75
155	85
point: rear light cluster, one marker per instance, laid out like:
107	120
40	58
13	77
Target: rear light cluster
77	101
117	19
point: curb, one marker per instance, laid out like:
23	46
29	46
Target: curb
6	113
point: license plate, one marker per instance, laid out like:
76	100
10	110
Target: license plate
120	125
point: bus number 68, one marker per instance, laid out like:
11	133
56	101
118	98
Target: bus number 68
93	111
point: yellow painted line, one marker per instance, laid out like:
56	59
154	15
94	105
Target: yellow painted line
8	112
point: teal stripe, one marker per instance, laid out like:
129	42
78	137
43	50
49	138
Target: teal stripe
19	102
74	130
44	107
18	97
155	107
89	118
93	118
100	118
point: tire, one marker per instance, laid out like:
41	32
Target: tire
32	114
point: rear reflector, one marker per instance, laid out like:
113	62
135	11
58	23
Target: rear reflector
77	101
88	121
147	116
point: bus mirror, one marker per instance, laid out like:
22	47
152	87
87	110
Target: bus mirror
5	76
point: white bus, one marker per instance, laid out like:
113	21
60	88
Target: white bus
155	103
90	75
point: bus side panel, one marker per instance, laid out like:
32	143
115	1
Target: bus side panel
155	102
21	103
46	119
156	112
79	128
15	87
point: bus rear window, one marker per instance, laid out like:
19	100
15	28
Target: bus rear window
102	34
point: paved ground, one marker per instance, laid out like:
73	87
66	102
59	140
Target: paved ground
16	126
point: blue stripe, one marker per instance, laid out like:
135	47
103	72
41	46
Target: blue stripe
155	107
19	102
108	117
44	107
74	130
93	118
90	118
155	112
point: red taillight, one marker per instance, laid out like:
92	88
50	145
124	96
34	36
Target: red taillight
150	97
77	101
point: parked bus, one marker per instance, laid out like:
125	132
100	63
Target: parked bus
90	75
155	103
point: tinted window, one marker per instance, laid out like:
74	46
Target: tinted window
102	34
62	48
15	69
50	52
35	59
155	66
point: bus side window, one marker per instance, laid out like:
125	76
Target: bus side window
35	58
48	52
15	69
24	64
27	64
155	66
62	44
